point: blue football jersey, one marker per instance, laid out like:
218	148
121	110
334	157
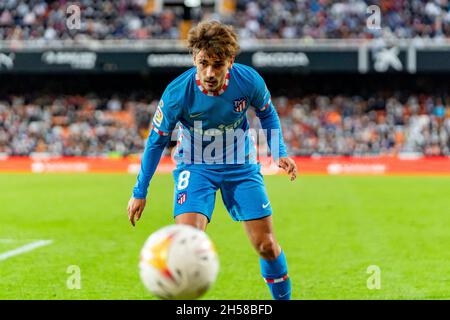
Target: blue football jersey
212	119
212	128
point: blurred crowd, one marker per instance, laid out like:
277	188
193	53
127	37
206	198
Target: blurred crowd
72	125
342	19
312	125
118	19
132	19
353	125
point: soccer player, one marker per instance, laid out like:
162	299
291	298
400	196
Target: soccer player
209	101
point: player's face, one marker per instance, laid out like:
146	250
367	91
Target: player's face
212	70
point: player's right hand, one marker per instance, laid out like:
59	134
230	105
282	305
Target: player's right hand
135	209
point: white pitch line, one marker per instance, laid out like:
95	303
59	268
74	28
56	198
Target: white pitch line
25	248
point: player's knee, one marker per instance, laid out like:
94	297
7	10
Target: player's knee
267	248
193	219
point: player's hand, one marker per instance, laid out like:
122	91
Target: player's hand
288	165
135	209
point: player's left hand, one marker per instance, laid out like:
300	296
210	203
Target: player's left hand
288	165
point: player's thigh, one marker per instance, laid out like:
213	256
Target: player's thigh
194	192
245	195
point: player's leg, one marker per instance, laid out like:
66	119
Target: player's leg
261	235
272	259
245	197
194	196
194	219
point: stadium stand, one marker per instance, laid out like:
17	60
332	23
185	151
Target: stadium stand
78	125
264	19
320	123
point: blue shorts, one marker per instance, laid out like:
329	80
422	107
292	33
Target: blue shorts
242	188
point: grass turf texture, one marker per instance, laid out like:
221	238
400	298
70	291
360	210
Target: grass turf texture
331	228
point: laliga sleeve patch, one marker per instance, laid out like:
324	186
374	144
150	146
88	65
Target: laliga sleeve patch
158	118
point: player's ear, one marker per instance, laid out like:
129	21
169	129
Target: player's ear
231	62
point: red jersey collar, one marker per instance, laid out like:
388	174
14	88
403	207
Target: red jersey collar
209	93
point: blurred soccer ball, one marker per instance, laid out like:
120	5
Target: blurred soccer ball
178	262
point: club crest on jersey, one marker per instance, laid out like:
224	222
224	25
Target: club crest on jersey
181	197
239	104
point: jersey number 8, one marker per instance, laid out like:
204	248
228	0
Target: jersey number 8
183	180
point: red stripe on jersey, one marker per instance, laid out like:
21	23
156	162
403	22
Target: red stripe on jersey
161	133
208	93
267	105
284	278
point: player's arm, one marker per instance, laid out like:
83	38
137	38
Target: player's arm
164	121
270	122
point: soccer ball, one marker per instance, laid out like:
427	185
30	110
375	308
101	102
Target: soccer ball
178	262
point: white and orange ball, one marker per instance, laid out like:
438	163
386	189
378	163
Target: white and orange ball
178	262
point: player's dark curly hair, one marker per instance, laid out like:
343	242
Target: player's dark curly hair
216	38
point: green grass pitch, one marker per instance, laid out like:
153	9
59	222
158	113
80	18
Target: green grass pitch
331	228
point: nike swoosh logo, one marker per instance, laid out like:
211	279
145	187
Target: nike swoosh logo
195	115
283	295
266	205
